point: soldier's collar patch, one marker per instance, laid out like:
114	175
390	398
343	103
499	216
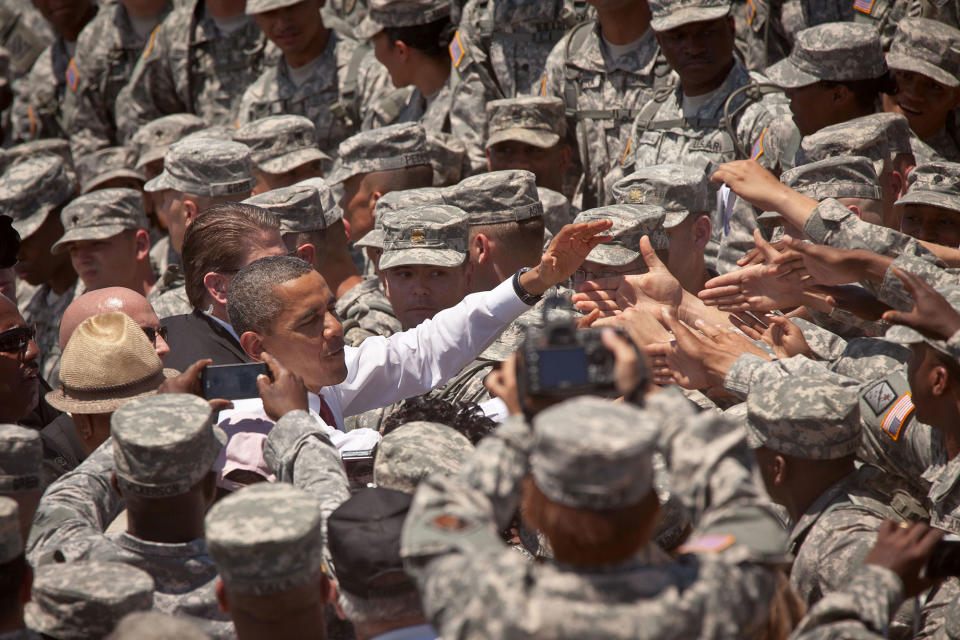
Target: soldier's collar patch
708	544
417	235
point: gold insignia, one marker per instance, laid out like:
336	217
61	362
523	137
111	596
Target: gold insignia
636	196
417	235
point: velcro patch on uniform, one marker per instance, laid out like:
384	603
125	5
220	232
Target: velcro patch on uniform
880	397
456	50
708	544
757	150
864	6
626	152
751	12
72	76
897	416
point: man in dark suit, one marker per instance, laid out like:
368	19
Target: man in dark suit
222	240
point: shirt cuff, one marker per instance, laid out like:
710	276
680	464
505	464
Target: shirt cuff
503	301
739	378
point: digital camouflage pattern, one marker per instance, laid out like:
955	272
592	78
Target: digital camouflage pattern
885	15
37	110
96	168
448	157
415	450
400	13
880	137
431	235
21	458
152	140
835	177
25	35
279	525
680	190
395	201
169	297
365	311
670	14
298	207
534	120
398	146
101	214
11	544
630	223
33	187
205	167
107	51
833	51
86	599
936	184
153	625
927	47
280	143
557	210
170	457
496	197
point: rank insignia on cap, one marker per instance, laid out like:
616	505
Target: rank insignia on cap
864	6
897	416
417	235
636	196
72	75
708	544
456	50
757	150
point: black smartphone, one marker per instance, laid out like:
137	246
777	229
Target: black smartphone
359	467
232	381
944	562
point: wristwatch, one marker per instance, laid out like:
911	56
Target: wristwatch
522	293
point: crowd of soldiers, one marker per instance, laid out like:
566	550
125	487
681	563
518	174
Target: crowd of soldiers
412	319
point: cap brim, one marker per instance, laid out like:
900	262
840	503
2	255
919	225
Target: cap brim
429	257
541	139
88	233
111	175
784	74
292	160
152	155
28	226
931	198
58	400
367	28
924	68
253	8
374	238
612	255
674	218
161	183
687	16
901	334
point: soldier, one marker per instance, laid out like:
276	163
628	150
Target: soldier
322	75
283	149
529	133
21	457
33	192
107	240
715	114
197	174
86	599
312	226
19	370
16	575
372	242
163	476
107	51
614	60
25	35
557	211
38	103
930	210
108	168
925	60
886	15
415	450
200	60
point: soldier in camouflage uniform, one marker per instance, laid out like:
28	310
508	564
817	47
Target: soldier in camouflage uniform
194	62
344	15
602	84
415	450
281	592
474	585
925	60
328	79
37	110
557	212
33	192
284	151
730	115
110	167
107	51
21	472
169	463
886	15
25	34
86	599
153	625
17	572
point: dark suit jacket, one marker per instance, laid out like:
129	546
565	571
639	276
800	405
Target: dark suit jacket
195	336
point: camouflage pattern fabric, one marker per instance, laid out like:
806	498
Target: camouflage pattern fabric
101	214
534	120
280	143
38	97
203	166
431	235
885	15
936	184
557	210
498	196
365	311
44	309
153	139
169	297
388	148
415	450
834	51
21	454
11	544
680	190
838	177
630	223
98	167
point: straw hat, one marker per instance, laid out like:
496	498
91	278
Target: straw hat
108	361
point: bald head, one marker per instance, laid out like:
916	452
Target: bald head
111	299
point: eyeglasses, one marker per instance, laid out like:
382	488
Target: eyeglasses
153	333
17	340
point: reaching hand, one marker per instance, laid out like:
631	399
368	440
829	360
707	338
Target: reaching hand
905	550
827	265
189	382
628	370
567	251
779	332
502	383
853	299
931	315
285	393
643	326
764	191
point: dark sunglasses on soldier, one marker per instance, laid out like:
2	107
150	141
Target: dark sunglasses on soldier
17	340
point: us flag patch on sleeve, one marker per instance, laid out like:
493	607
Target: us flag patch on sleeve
757	150
72	76
864	6
456	50
897	416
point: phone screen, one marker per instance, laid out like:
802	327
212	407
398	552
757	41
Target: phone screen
560	367
232	381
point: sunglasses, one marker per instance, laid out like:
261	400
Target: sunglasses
153	333
17	340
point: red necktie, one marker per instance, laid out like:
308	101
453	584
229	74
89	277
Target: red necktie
326	414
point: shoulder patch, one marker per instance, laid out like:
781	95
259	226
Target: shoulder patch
153	36
880	397
864	6
708	544
72	76
757	149
893	422
456	50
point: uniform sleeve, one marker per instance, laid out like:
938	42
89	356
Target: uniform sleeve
552	82
87	119
750	369
894	293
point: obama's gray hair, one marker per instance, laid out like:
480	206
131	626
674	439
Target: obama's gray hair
251	303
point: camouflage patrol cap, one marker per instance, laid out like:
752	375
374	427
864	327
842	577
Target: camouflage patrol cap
31	188
205	167
43	147
400	13
394	201
164	444
927	47
496	197
448	157
11	542
152	140
21	458
261	6
101	214
81	600
331	210
281	143
433	235
277	524
805	417
590	453
835	51
298	208
881	137
679	189
630	223
153	625
670	14
98	168
836	177
557	210
399	146
534	120
364	541
415	450
935	183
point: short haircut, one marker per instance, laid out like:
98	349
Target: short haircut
525	235
415	177
400	606
431	39
867	91
332	236
219	239
251	304
466	417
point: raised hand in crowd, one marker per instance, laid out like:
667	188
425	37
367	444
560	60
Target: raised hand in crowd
784	337
932	314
